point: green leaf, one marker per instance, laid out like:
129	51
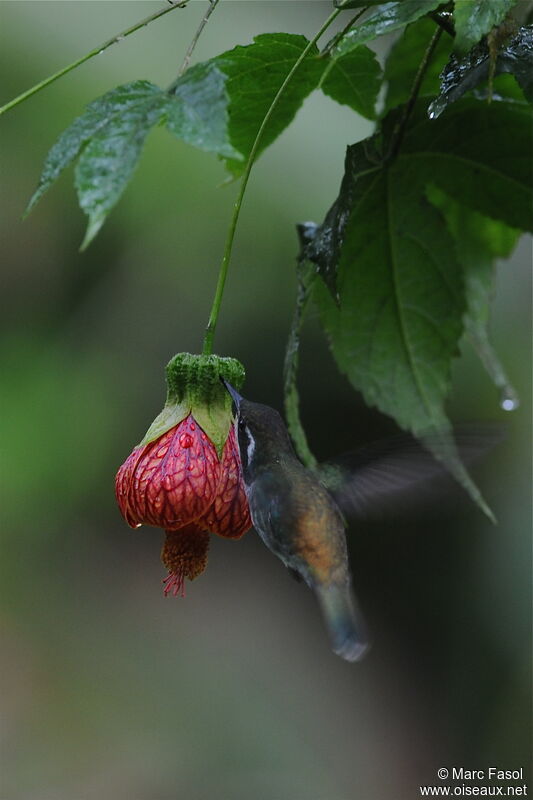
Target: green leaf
392	258
198	110
475	18
463	74
478	242
97	115
388	17
488	170
254	74
108	160
353	79
401	303
394	333
479	154
217	105
405	58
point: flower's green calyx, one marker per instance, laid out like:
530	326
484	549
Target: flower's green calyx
194	387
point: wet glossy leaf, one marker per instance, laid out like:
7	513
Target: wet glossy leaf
463	74
387	18
198	110
108	160
124	101
353	79
475	18
217	106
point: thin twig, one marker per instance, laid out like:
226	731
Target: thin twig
96	51
338	36
219	291
408	110
188	55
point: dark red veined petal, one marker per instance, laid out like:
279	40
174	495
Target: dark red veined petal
229	516
171	481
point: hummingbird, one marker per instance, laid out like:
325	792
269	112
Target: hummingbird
300	514
298	520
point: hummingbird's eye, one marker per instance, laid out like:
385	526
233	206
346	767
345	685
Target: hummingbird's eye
242	424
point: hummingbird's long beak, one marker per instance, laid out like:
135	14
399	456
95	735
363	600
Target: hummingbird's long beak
235	396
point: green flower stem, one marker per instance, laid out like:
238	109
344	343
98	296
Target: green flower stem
100	49
213	317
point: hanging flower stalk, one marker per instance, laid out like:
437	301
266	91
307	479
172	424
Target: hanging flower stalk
185	475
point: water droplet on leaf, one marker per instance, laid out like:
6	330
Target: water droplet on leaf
509	400
436	108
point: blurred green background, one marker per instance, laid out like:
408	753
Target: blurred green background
111	691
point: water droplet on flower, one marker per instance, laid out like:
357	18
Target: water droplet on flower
509	400
193	426
186	440
139	525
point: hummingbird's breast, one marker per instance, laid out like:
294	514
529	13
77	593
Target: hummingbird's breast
319	537
299	521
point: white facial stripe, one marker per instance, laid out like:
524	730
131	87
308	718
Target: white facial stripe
251	446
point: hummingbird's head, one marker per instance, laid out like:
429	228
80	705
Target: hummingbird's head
261	434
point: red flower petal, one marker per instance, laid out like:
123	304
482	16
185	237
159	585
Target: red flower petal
229	516
171	481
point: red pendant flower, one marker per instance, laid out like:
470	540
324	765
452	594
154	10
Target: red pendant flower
185	476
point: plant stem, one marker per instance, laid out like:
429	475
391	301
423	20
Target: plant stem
408	110
338	36
290	369
185	63
443	22
215	308
100	49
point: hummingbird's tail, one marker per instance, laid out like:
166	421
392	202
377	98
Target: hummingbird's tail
343	620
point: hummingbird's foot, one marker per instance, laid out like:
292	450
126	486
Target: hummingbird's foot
174	584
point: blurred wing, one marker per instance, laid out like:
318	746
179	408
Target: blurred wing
385	476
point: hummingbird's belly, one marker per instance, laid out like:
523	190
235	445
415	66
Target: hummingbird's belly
305	532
